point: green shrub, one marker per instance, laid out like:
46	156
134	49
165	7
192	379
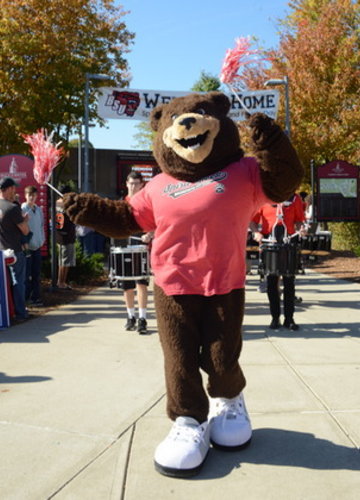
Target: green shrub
88	267
345	235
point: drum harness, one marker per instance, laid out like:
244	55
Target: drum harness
272	241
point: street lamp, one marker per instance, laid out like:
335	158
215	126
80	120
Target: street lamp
285	83
88	77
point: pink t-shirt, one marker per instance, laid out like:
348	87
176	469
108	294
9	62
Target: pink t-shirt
200	228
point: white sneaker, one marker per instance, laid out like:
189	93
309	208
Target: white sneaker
184	450
230	423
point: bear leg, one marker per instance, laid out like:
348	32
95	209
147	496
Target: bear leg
221	328
178	318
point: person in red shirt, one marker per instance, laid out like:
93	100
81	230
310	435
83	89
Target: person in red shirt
262	225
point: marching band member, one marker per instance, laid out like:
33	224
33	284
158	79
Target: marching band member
268	218
135	183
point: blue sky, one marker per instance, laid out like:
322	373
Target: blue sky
175	41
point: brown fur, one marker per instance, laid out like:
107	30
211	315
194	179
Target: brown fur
194	139
281	171
200	332
108	217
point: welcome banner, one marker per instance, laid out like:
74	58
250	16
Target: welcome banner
135	104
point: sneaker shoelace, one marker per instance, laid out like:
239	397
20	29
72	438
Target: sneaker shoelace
186	433
229	407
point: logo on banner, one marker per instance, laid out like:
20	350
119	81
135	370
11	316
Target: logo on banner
123	102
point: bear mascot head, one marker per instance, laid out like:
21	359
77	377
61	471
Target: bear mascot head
195	137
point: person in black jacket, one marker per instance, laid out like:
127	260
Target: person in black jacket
65	238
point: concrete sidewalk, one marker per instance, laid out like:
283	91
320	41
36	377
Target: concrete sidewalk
82	404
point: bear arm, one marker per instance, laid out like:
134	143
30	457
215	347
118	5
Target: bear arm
113	218
281	171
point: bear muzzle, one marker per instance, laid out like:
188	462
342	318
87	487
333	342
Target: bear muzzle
191	136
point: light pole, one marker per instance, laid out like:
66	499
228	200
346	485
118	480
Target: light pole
285	83
88	77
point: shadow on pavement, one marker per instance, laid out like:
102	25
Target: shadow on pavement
285	449
7	379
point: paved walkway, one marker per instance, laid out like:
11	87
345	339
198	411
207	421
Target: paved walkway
82	404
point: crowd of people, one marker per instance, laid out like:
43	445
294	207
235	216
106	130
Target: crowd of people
22	237
22	231
14	227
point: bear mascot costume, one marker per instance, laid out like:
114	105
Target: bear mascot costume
200	207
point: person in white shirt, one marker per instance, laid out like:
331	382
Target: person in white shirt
33	250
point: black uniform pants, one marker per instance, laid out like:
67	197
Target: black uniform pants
273	293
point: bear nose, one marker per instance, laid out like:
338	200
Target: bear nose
187	122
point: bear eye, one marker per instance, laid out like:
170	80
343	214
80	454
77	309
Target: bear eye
200	111
173	117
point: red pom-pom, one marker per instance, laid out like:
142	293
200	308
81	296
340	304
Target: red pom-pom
47	155
240	55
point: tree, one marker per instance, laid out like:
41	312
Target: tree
206	83
46	47
144	136
320	52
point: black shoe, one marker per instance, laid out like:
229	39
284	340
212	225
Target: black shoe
36	303
275	324
130	324
291	325
142	326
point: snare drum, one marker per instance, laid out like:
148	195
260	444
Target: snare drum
316	244
280	259
129	263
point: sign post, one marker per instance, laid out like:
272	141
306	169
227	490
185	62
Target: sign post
337	192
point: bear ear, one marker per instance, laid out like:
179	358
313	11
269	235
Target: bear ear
155	116
221	101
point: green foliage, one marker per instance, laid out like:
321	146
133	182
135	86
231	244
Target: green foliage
71	184
206	83
144	136
46	48
88	267
345	236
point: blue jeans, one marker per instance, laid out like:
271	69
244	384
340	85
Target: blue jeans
19	274
33	269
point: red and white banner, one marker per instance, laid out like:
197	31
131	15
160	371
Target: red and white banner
135	104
